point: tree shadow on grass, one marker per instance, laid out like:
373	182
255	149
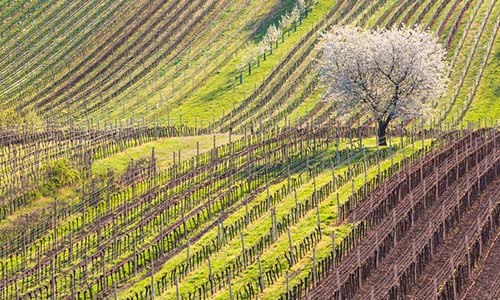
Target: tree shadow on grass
272	17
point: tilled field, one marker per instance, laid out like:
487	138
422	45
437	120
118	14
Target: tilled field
484	283
430	232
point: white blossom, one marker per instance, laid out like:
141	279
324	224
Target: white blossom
241	66
295	14
285	22
305	4
310	4
391	73
273	34
261	47
247	59
256	51
301	5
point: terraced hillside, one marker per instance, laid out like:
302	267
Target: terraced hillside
145	156
115	61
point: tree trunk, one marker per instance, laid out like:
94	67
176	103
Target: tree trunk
382	128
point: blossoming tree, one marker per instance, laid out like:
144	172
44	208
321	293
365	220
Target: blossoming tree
391	74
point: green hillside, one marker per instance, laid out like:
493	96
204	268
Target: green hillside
145	156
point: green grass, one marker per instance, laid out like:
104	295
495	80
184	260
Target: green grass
163	151
477	59
255	230
222	91
230	251
373	19
62	195
462	59
234	36
328	212
486	104
297	115
70	195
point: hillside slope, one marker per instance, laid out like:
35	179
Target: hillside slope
144	156
174	62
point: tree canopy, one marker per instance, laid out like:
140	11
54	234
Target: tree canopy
392	74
